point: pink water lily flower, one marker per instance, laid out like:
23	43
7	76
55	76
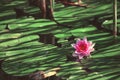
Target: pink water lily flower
83	48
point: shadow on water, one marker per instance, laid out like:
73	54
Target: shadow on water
25	54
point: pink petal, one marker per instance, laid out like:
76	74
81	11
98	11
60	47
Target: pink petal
80	56
89	43
92	50
78	41
73	45
76	52
93	45
85	39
